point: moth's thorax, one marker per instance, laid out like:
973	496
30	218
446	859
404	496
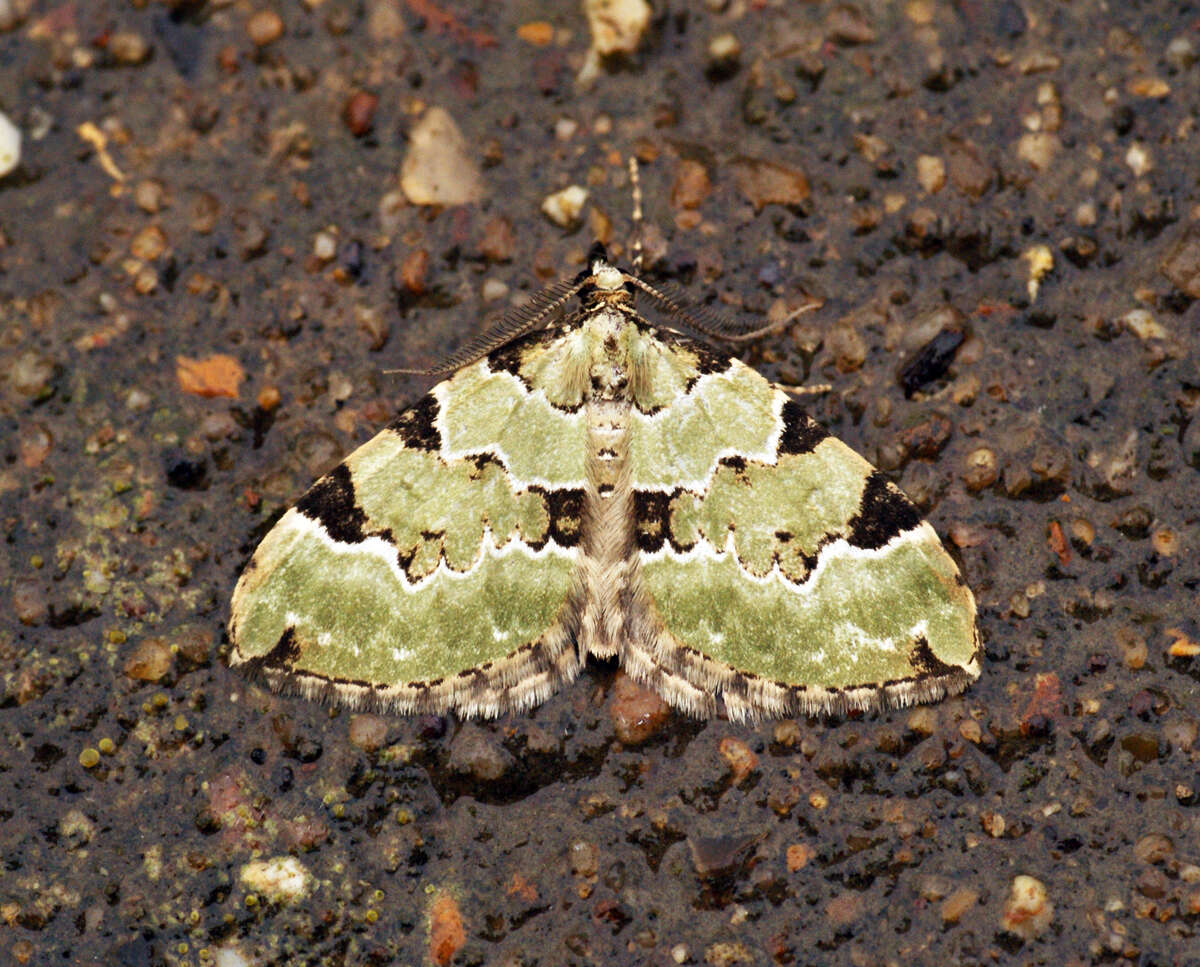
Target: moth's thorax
608	333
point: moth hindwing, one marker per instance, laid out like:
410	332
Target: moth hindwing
601	486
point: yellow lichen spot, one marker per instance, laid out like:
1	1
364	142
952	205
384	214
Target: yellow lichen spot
107	746
89	758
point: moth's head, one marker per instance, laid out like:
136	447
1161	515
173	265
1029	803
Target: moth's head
605	277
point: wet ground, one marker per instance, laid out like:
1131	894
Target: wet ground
207	259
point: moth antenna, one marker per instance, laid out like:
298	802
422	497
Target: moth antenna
635	185
817	389
535	314
708	321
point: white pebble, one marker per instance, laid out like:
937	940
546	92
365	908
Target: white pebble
10	145
1143	325
617	25
1139	159
282	879
563	207
231	956
440	166
565	128
324	246
493	290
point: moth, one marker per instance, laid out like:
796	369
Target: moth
583	482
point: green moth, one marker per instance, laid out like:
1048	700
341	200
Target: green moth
586	483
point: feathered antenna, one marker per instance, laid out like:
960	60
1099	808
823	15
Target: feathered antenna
636	186
706	320
537	313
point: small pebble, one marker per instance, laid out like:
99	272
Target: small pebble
724	52
765	183
539	33
1139	159
75	829
798	856
251	234
1153	848
10	145
717	856
447	934
268	398
1153	88
12	12
1181	266
29	604
958	903
281	879
1132	647
478	753
1040	260
409	275
324	246
847	24
385	21
358	113
616	25
739	757
206	209
565	207
30	373
584	858
499	241
1165	541
1027	911
923	720
691	186
493	290
150	661
1181	52
439	167
967	169
368	732
1039	148
847	346
148	244
931	173
230	955
149	195
128	47
264	27
637	712
981	470
1142	324
34	443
